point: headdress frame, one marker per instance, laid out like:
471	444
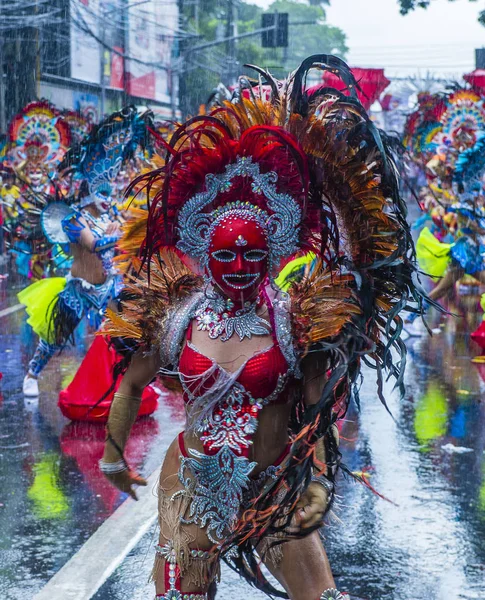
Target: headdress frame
98	158
212	165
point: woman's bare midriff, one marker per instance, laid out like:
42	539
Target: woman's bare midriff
87	265
269	441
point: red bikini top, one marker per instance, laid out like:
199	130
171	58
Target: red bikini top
234	401
260	376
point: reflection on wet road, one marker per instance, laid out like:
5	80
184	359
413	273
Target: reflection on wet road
429	542
52	494
425	542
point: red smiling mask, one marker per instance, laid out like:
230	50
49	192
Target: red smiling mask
238	257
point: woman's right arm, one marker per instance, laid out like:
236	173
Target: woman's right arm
122	415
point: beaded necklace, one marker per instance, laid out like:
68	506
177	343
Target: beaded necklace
219	317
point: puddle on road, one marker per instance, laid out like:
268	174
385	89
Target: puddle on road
53	496
427	544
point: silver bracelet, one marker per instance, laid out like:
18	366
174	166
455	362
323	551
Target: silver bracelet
112	468
333	594
324	482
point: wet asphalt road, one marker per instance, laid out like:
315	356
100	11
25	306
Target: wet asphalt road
425	542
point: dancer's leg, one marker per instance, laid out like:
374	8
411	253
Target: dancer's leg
185	560
303	570
445	285
480	275
43	353
65	321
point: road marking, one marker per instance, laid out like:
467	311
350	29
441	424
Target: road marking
10	310
82	576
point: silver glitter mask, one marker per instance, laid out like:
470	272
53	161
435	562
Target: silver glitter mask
282	227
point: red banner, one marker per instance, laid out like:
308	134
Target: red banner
117	79
371	81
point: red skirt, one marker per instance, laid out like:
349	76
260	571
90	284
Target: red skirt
93	378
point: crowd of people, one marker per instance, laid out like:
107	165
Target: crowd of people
445	140
63	207
34	175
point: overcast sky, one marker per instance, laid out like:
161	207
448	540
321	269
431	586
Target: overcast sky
440	40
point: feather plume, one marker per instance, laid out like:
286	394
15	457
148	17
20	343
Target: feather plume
118	326
133	234
324	303
146	304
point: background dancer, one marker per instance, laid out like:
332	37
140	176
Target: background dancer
57	305
440	134
38	139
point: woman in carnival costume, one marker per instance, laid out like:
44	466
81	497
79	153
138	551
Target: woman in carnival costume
57	305
450	133
470	179
31	247
449	263
265	374
38	139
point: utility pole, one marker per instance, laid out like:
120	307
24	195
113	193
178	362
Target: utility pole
179	65
102	47
126	34
229	32
173	96
38	46
196	15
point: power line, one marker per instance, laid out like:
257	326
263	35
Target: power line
123	22
81	24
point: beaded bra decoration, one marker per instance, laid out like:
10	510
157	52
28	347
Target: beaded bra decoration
195	226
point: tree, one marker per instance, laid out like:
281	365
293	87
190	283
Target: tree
408	5
308	34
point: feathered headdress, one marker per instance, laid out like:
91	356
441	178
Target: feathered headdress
38	139
470	167
79	126
97	160
38	135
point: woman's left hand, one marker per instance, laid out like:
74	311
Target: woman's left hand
311	506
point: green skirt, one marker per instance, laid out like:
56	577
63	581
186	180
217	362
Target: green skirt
39	300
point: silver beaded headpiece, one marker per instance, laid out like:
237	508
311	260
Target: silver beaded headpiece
282	227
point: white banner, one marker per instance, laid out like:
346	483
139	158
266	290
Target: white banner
153	28
85	50
166	46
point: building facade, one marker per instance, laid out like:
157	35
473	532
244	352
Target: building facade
93	56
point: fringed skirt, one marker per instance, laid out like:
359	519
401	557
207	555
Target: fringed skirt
200	566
